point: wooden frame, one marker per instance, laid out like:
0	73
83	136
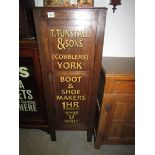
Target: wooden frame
68	3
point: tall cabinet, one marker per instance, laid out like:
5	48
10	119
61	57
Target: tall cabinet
70	42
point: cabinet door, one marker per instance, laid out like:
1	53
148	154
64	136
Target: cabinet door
120	112
32	109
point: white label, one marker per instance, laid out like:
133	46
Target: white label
73	1
50	14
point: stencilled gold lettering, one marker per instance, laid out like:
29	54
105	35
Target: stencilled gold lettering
71	121
71	117
69	65
69	33
70	86
71	97
71	114
70	105
63	44
69	56
70	79
70	92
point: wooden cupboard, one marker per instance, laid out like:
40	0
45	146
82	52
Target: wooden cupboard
116	102
32	106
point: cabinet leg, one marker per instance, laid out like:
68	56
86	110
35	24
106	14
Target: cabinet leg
53	136
89	135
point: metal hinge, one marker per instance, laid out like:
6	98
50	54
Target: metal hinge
108	107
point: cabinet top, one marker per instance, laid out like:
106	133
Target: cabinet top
118	65
69	8
28	43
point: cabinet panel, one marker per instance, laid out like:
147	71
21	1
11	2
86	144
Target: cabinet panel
121	131
119	116
116	126
123	86
118	84
118	130
123	111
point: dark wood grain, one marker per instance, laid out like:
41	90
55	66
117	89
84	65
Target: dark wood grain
85	19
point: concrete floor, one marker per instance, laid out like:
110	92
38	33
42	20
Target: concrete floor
37	142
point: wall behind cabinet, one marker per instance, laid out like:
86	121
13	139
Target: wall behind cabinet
119	33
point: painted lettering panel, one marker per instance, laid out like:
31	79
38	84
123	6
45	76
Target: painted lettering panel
72	96
72	54
71	47
28	93
70	44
